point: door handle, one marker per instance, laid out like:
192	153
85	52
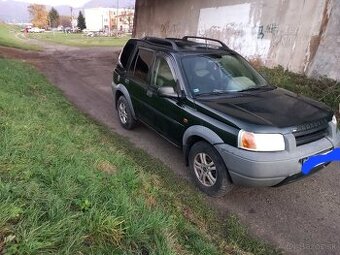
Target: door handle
149	93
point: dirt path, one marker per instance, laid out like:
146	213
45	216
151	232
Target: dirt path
300	218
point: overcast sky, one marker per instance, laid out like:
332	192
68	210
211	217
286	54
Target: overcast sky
74	3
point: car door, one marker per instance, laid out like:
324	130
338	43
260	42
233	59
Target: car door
138	81
167	113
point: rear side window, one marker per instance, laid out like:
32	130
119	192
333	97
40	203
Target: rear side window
126	53
143	65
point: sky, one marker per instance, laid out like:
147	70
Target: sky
74	3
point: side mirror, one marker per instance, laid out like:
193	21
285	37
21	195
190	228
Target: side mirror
167	91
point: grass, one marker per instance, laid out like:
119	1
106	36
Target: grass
238	236
323	89
8	38
80	40
70	186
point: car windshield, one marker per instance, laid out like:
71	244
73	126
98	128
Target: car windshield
218	74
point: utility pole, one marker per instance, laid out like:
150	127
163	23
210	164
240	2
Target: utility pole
72	17
117	15
102	22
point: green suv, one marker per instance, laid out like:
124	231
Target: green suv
232	125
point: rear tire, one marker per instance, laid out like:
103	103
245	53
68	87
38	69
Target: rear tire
208	170
125	114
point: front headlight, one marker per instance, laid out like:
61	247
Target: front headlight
260	142
334	121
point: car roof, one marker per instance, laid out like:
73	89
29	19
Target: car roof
187	44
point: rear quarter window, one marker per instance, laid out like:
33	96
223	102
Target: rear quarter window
126	54
143	64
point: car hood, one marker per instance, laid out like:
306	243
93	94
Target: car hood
277	108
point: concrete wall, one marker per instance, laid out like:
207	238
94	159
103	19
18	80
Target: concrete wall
327	54
295	34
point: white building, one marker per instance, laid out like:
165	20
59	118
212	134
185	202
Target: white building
109	19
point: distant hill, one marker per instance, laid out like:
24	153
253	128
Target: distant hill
14	11
110	3
62	9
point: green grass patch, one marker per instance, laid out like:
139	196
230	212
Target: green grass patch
323	89
70	186
239	236
80	39
9	37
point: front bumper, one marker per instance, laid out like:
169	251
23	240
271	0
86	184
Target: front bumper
272	168
300	175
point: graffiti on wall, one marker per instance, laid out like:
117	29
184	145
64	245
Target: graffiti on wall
169	29
257	35
235	25
269	29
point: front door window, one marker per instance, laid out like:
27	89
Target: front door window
163	75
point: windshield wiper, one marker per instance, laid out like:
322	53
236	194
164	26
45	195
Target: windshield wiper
257	88
211	93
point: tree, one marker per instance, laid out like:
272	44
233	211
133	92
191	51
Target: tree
53	17
81	21
39	15
65	21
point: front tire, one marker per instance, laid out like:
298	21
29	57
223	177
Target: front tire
208	170
125	114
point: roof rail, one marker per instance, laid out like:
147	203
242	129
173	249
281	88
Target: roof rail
185	38
162	41
173	38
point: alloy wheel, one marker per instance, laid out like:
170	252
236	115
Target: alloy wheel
205	169
123	116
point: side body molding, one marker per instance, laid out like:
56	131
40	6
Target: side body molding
122	89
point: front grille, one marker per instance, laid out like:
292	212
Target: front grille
310	132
